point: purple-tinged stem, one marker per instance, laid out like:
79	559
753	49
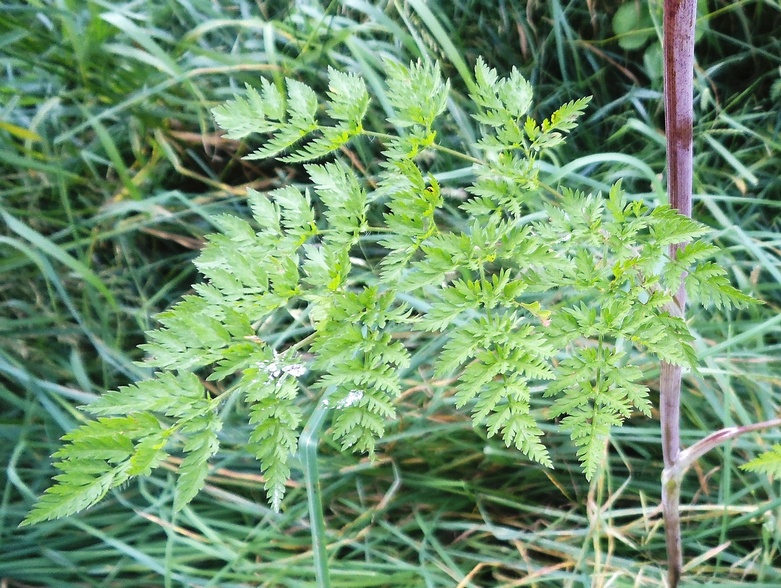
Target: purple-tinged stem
679	18
669	411
688	456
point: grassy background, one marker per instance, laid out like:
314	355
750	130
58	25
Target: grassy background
110	168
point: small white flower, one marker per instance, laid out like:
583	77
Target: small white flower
274	370
296	370
353	398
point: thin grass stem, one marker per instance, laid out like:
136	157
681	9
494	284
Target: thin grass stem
309	441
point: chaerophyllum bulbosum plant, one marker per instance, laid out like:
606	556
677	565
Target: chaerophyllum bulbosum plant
562	304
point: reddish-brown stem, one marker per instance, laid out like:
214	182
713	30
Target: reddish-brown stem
688	456
679	17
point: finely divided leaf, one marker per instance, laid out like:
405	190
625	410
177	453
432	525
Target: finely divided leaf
298	218
335	273
769	463
349	99
159	394
301	120
417	93
274	438
709	285
199	447
76	489
344	199
669	226
97	457
243	116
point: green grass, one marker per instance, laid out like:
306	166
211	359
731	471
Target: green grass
110	168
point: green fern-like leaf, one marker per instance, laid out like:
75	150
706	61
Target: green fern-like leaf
97	457
361	364
769	463
244	116
275	419
410	220
669	227
416	92
504	407
562	121
504	102
160	394
596	391
200	446
78	487
590	426
301	121
349	99
345	201
708	284
526	295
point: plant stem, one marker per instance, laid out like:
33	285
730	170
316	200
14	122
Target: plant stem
679	18
437	146
691	454
670	412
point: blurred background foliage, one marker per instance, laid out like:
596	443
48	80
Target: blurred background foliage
111	166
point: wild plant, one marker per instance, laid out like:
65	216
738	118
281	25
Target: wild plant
546	301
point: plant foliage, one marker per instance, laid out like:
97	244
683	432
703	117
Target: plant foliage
768	463
487	288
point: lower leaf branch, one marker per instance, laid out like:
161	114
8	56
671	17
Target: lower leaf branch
677	462
688	456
